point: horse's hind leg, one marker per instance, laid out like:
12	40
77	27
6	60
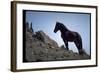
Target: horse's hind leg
79	46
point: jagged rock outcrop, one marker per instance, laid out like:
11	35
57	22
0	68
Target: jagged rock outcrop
46	39
40	47
29	28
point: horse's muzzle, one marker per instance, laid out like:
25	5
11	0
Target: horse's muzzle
55	31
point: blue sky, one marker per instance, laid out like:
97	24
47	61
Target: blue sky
45	21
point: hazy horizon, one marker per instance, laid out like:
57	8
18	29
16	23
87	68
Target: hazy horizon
45	21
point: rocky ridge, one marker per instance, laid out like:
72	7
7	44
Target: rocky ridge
40	47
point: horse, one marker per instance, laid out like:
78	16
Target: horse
69	36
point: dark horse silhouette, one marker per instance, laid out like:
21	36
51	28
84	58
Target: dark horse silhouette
69	36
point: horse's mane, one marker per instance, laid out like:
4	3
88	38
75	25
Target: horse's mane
63	26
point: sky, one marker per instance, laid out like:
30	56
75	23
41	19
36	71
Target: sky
46	20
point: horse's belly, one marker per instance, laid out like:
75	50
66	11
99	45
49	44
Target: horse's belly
70	37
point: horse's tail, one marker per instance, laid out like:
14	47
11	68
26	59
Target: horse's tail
79	39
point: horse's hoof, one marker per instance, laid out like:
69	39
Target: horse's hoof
81	52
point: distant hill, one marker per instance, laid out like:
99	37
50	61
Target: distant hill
40	47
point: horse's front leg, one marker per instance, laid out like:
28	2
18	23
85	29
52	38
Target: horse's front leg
65	41
66	44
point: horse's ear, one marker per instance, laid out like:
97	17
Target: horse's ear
57	22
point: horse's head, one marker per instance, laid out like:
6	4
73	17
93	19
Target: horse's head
57	27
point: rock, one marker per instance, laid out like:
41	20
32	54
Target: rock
62	46
27	26
46	39
31	28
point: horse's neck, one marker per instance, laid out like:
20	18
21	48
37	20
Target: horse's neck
64	29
